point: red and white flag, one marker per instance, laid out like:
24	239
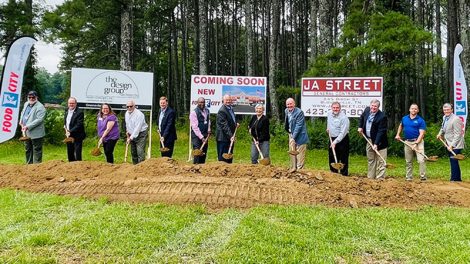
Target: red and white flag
12	81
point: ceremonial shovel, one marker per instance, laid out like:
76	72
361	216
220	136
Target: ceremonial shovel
263	161
389	166
125	152
68	138
336	165
24	137
229	155
198	152
292	151
456	156
431	158
96	151
163	148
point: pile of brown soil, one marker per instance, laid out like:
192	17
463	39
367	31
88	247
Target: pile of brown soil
220	185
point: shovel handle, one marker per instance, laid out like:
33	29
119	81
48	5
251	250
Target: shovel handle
161	141
231	142
257	147
331	143
372	146
447	146
415	150
125	153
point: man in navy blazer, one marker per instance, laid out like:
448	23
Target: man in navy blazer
166	126
225	128
373	123
74	127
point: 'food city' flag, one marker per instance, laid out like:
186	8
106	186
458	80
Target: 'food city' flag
12	80
460	87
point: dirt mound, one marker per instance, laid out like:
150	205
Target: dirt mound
221	185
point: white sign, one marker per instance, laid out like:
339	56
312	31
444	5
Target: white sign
93	87
12	81
246	92
353	93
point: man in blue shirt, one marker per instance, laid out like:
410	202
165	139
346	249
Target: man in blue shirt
414	128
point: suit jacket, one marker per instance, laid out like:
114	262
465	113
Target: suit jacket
168	128
453	132
378	130
225	125
297	126
76	126
35	120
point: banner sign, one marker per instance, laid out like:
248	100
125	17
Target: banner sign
460	88
93	87
12	81
353	93
246	92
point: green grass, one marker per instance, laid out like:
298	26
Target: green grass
13	152
42	228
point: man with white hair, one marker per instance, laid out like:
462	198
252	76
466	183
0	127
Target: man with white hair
294	124
75	128
136	131
32	125
225	125
452	130
338	131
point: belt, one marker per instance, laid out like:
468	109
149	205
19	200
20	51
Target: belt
413	139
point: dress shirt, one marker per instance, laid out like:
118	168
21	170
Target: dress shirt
135	123
338	125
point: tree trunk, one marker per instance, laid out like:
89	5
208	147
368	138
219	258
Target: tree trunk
313	30
452	40
126	36
203	37
464	9
249	37
326	26
273	62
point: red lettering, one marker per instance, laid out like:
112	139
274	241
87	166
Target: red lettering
12	85
250	81
7	117
206	91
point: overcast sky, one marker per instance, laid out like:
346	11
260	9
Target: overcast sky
48	54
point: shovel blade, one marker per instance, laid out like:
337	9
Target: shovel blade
165	149
95	152
458	157
337	166
432	158
68	140
265	161
197	152
389	166
293	152
227	155
24	138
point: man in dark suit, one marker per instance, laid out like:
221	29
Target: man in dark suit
73	124
373	124
226	125
166	126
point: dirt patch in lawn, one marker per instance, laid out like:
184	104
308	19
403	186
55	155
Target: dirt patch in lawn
220	185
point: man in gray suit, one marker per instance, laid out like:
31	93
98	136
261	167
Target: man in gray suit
225	131
453	131
32	124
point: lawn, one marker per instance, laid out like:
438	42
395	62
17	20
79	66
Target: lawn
44	228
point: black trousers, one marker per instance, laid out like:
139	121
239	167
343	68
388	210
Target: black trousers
74	151
108	147
170	145
222	147
342	154
197	143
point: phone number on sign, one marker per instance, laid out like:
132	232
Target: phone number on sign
322	112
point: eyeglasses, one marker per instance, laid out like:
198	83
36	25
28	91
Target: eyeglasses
31	97
129	106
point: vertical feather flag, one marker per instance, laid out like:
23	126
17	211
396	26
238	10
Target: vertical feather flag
460	87
12	81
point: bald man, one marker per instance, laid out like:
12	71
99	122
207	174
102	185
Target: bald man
226	125
295	125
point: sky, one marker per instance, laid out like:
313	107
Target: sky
48	54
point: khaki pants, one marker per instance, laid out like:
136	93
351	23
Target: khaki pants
375	165
297	162
409	154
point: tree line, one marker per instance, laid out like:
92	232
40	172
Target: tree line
401	40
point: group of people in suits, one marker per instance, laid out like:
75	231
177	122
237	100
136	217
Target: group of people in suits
373	125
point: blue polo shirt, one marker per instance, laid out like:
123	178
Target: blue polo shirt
411	127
